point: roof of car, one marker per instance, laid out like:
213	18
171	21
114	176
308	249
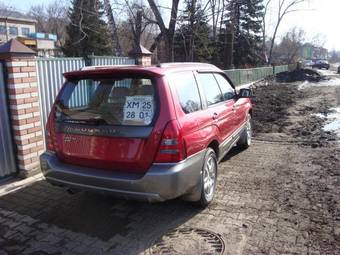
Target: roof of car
156	70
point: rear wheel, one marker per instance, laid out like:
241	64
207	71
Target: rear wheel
245	139
208	178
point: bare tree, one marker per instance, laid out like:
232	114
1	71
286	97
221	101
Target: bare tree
288	51
167	33
51	19
285	7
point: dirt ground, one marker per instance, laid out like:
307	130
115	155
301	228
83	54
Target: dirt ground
280	196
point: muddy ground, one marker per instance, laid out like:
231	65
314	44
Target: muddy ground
280	196
282	111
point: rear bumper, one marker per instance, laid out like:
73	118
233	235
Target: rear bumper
161	182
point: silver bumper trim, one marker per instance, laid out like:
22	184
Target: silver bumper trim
161	181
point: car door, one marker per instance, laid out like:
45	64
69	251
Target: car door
230	97
239	105
220	111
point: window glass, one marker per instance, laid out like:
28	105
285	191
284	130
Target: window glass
25	31
210	88
2	30
13	30
187	91
227	90
124	101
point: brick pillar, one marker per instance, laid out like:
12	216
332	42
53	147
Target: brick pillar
141	55
23	97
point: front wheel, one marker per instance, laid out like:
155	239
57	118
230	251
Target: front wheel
208	178
245	139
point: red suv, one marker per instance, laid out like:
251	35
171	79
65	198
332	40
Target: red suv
151	133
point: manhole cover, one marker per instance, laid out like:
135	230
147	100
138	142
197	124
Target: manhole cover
188	241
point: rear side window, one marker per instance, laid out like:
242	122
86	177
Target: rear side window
126	101
187	91
227	90
210	88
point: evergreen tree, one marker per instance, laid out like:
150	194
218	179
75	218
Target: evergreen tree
87	32
245	15
192	42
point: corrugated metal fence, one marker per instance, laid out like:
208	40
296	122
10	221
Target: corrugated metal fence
7	159
50	76
109	60
280	69
242	76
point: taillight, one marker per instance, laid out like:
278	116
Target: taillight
50	132
172	147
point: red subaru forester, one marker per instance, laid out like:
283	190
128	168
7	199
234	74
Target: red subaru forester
151	133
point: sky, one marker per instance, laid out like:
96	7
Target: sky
317	18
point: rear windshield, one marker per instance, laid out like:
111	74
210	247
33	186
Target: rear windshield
127	101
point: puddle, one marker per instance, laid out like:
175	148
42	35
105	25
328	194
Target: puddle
323	83
332	120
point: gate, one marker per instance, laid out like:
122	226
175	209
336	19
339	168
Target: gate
7	159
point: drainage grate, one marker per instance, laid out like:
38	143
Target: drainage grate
188	241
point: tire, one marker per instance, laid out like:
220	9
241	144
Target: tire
208	178
245	139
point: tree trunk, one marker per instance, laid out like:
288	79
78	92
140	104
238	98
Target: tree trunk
113	28
273	42
168	33
229	47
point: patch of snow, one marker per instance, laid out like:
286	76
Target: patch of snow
332	120
326	72
322	83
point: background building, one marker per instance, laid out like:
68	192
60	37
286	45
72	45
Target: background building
14	24
309	51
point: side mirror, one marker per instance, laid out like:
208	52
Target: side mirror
245	93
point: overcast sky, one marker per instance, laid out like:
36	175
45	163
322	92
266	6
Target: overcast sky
321	17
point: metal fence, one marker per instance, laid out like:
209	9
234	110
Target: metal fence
243	76
7	159
50	80
280	69
110	60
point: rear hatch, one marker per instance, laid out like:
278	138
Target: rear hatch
107	123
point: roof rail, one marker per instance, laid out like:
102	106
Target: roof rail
103	67
164	65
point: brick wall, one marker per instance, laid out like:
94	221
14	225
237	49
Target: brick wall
25	113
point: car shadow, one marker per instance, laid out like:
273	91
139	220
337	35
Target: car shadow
232	153
99	216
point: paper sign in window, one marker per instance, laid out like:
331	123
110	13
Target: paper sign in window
138	109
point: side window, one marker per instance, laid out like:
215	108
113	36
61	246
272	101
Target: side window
227	90
13	30
2	30
25	31
187	91
210	88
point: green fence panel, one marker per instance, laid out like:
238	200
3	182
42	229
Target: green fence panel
244	76
280	69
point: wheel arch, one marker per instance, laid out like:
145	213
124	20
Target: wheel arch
215	146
